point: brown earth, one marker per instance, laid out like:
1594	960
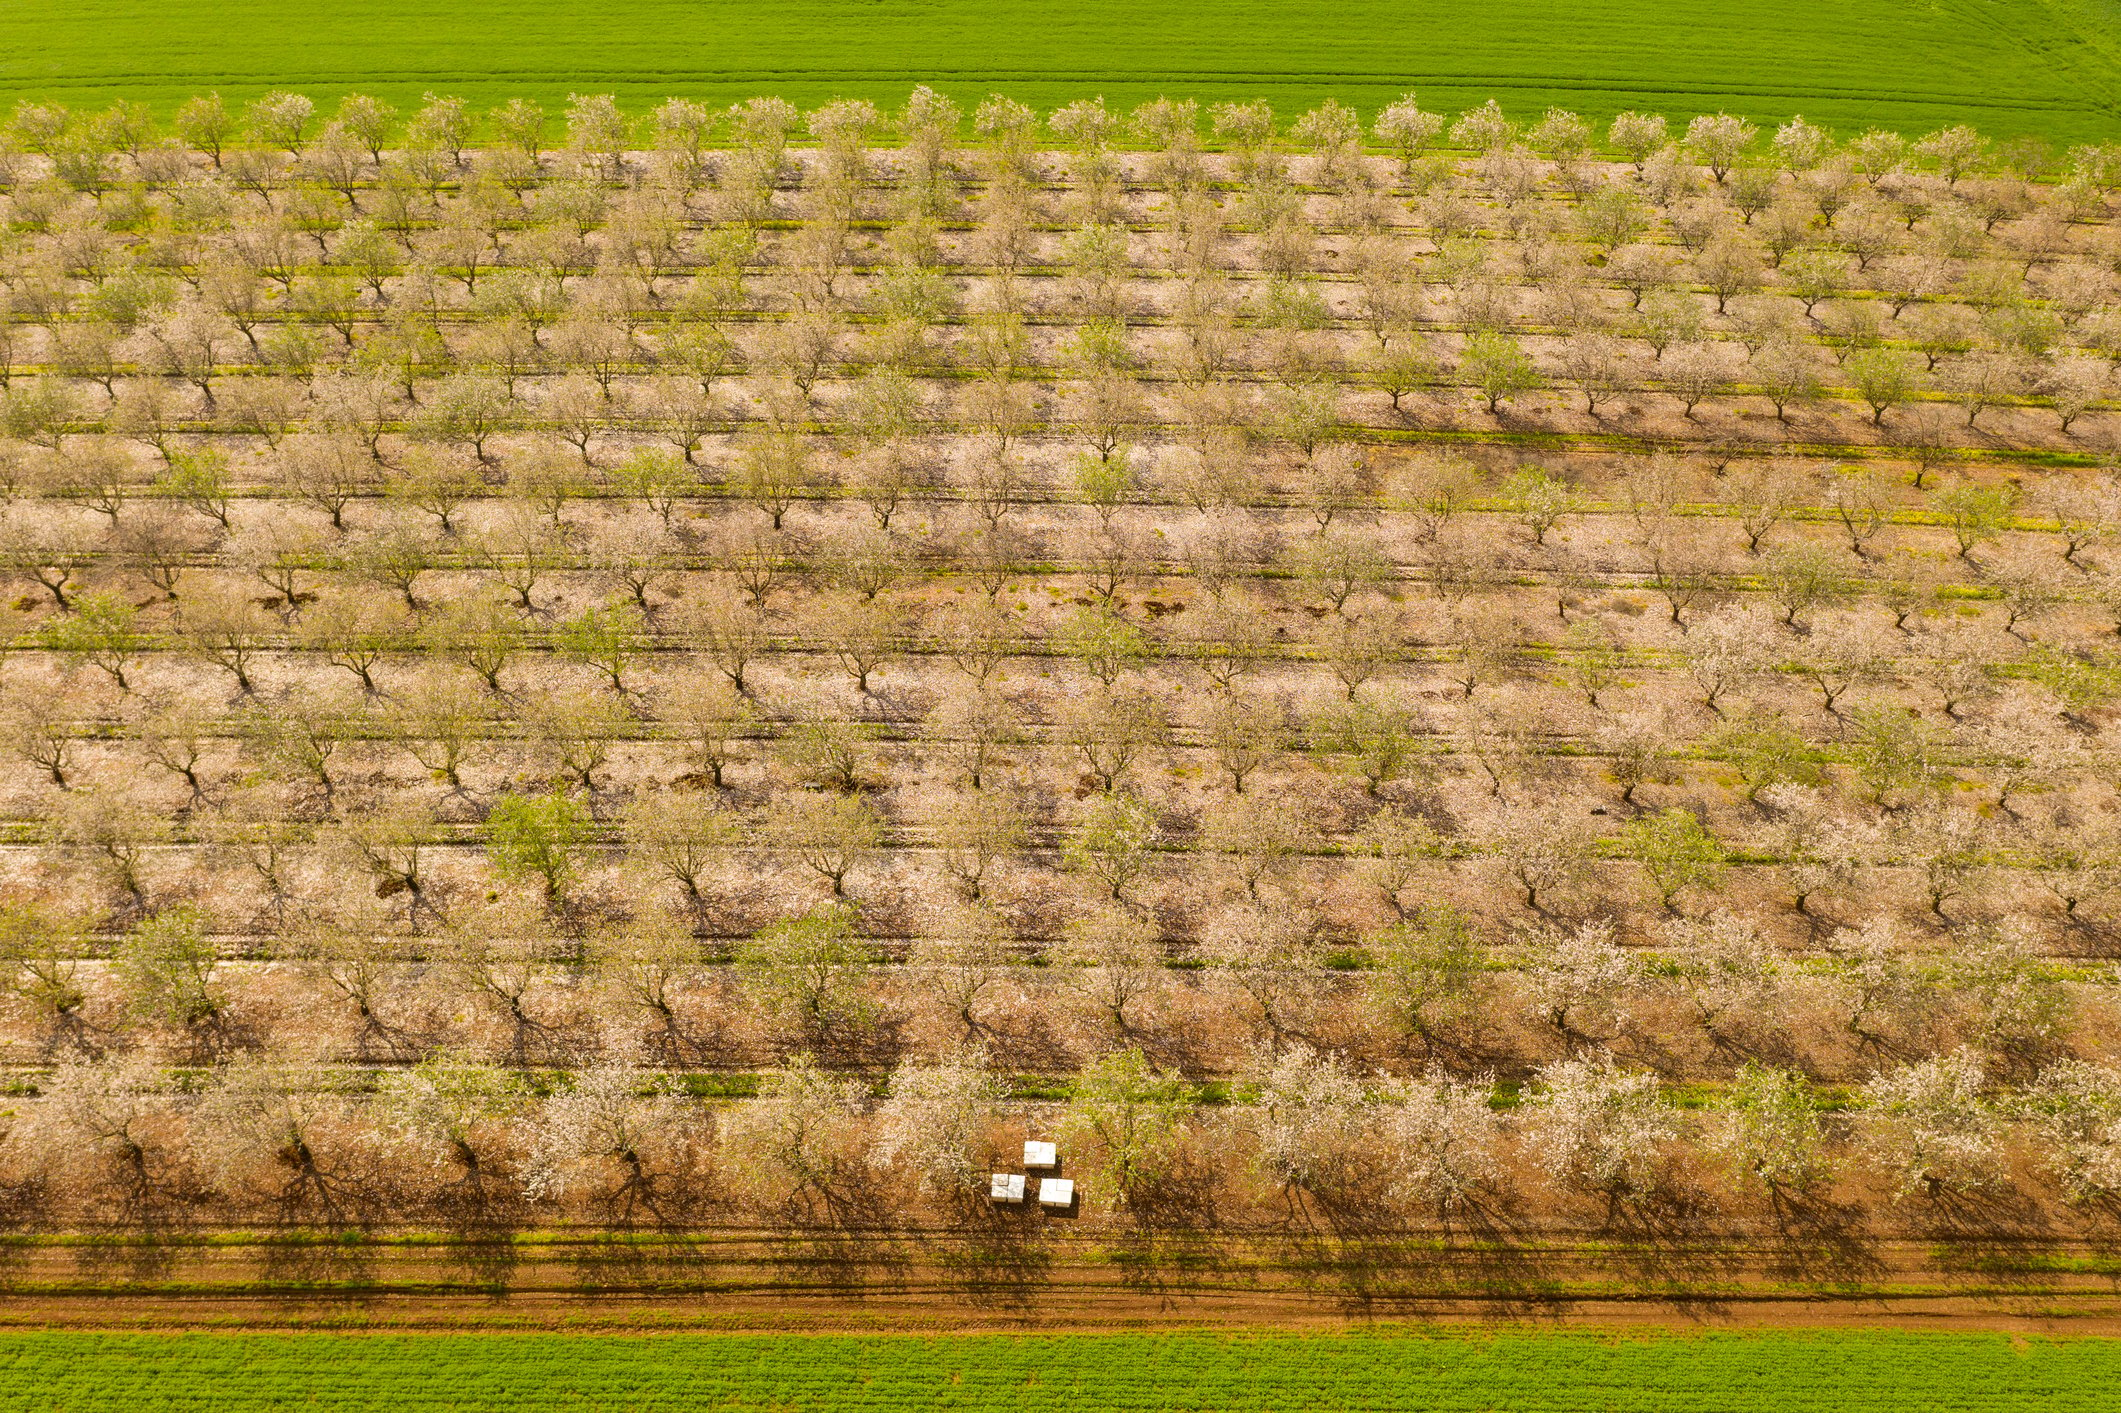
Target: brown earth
747	1280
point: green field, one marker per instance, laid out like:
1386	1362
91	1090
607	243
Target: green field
1767	1373
2046	67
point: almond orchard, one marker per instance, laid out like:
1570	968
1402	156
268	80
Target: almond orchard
725	666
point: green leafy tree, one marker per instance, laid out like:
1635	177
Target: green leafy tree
102	632
809	972
1499	368
828	834
205	123
199	478
1105	482
1105	643
1377	740
1882	377
1423	970
169	967
1112	841
540	837
1134	1115
1677	851
1774	1133
40	953
605	638
1976	513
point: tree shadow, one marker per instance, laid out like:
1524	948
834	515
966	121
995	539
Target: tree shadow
322	1263
605	1262
149	1195
137	1257
875	1044
1170	1246
1665	1243
1814	1240
993	1256
1027	1039
838	1238
1999	1237
482	1215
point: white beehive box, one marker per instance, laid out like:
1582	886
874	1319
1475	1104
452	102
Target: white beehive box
1040	1155
1056	1192
1006	1187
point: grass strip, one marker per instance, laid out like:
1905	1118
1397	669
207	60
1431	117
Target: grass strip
1435	1371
